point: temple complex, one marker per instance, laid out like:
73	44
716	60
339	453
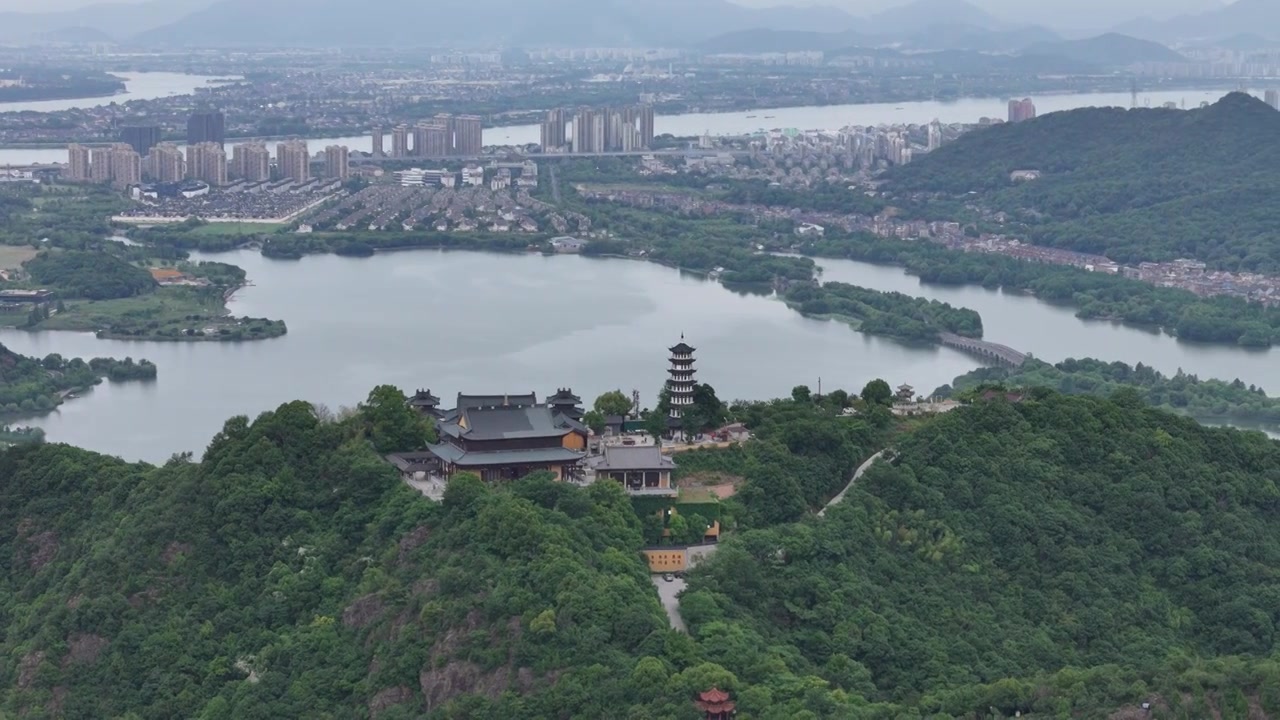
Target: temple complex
500	437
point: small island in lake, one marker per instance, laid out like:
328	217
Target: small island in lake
30	386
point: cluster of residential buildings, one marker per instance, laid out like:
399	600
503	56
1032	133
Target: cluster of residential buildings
270	201
206	161
598	130
442	136
445	209
118	164
498	175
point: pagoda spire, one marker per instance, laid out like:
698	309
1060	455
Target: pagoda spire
680	383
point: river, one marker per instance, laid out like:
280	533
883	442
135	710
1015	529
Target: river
967	110
137	86
481	322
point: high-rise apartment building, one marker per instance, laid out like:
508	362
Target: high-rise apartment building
164	163
207	161
553	131
431	139
400	141
468	135
250	161
336	162
1273	98
1021	110
140	137
645	122
935	135
293	161
77	163
377	141
126	166
206	127
583	123
100	165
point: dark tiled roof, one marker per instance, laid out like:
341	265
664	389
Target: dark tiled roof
635	457
510	423
462	458
475	401
563	396
682	348
410	460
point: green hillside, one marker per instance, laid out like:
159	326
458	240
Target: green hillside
1065	557
1146	184
1062	557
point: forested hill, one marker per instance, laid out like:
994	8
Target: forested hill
292	575
1144	184
1063	557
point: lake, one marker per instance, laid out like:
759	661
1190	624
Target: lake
465	322
490	323
967	110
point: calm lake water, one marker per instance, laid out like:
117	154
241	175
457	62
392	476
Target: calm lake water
479	322
465	322
967	110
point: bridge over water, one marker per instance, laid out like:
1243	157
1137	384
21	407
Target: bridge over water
1002	354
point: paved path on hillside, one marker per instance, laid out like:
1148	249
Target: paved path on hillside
668	594
856	474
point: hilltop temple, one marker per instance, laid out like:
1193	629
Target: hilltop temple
501	437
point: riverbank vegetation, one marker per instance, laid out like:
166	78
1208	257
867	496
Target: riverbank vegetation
29	386
1112	179
1061	557
890	314
1095	295
1210	399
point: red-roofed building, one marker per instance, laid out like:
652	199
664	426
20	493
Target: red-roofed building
715	704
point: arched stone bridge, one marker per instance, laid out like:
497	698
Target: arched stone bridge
1002	354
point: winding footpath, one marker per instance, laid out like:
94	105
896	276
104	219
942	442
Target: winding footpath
856	474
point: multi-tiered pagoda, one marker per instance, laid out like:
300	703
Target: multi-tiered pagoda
680	384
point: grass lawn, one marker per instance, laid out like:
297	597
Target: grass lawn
236	228
165	305
12	256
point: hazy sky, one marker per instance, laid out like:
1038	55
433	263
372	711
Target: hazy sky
1062	13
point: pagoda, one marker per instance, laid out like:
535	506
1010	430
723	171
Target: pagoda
680	384
566	403
715	704
426	403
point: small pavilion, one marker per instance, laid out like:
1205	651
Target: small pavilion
715	705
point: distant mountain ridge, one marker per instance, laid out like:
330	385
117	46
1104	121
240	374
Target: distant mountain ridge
1239	18
95	23
1111	49
1022	49
579	23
